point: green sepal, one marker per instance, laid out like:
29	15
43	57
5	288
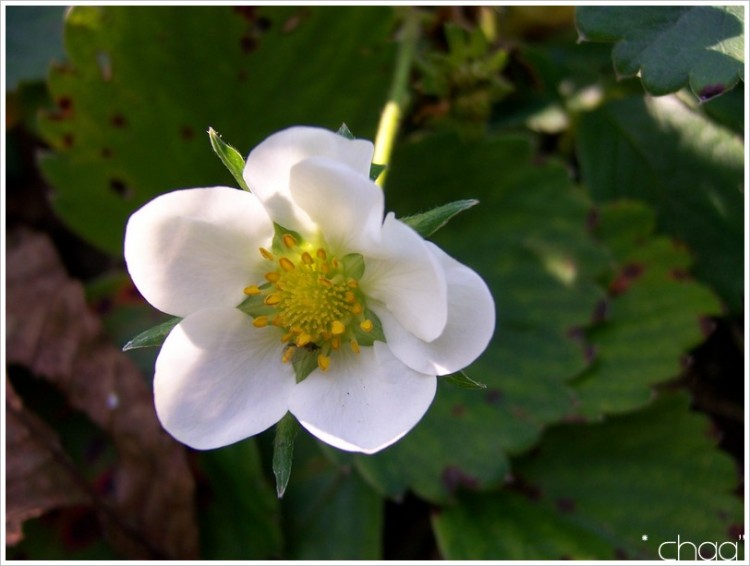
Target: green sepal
460	379
230	157
283	451
344	131
368	338
354	265
152	337
254	305
375	170
277	246
427	223
305	361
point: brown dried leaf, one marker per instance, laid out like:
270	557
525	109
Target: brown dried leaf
51	331
37	471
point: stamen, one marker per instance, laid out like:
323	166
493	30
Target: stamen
321	253
303	339
324	362
337	327
273	276
289	240
366	325
252	290
288	354
356	308
260	321
272	299
336	342
349	297
307	259
286	264
355	345
352	283
266	254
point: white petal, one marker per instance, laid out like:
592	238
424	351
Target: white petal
219	379
471	323
197	248
363	402
406	277
347	207
269	165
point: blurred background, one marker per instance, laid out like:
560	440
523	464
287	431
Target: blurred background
610	230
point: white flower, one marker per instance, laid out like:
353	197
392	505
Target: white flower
223	375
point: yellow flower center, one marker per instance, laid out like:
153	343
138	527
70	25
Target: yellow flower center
312	297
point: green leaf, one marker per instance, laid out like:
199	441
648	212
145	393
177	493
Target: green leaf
133	126
238	510
230	157
329	512
460	379
591	492
529	214
283	451
654	309
427	223
689	169
671	46
152	337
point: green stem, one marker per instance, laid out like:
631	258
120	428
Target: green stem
398	97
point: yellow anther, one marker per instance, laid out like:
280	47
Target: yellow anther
252	290
355	345
307	259
260	321
321	253
335	263
266	254
288	354
337	327
272	299
356	308
289	240
303	339
286	264
273	276
336	342
326	282
353	283
296	330
324	362
366	325
325	268
349	297
278	320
